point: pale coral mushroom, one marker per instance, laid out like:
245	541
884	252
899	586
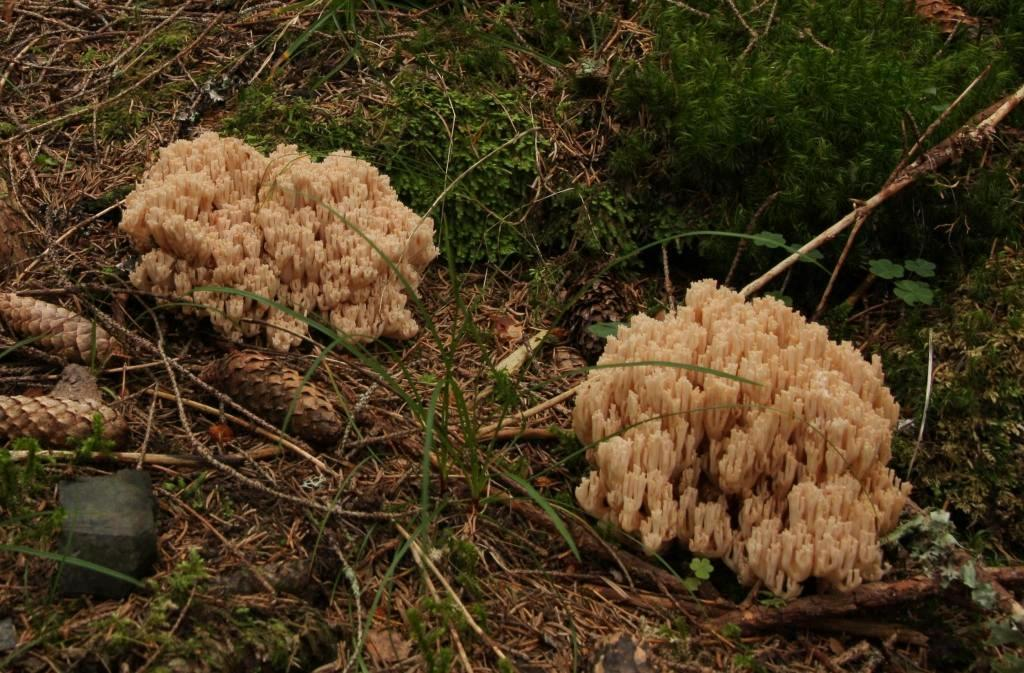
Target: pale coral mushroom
781	475
215	211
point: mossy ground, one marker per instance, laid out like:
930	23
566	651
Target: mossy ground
560	135
971	460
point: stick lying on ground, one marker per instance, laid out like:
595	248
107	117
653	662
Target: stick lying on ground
865	597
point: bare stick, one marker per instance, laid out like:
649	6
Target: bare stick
418	557
669	290
285	442
451	592
839	265
865	597
142	458
488	431
750	230
935	124
927	402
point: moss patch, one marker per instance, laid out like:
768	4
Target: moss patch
973	459
820	109
424	138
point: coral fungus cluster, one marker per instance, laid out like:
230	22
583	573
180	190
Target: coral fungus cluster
215	211
779	471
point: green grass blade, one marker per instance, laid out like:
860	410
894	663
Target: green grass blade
70	560
543	503
674	365
15	346
428	447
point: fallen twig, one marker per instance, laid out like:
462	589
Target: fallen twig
869	596
489	431
284	441
143	458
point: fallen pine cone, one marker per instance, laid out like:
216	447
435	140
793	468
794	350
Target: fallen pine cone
65	414
260	383
58	329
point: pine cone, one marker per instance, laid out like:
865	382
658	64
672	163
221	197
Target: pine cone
55	420
609	300
259	382
59	330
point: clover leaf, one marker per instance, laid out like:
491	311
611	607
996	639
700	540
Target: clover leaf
701	568
914	292
921	267
603	330
884	268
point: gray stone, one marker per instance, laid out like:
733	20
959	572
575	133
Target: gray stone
8	635
108	521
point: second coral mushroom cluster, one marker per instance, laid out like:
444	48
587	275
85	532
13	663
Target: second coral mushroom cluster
783	475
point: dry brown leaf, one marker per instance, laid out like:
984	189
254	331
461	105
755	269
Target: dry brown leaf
387	647
221	433
507	329
544	482
949	17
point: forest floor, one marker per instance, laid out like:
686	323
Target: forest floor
500	570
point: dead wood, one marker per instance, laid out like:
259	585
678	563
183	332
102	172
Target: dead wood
866	597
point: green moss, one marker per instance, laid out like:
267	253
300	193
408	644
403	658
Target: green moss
120	123
425	138
708	134
972	460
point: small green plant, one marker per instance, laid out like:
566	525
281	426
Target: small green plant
95	443
17	480
913	292
187	575
428	625
465	558
192	491
701	569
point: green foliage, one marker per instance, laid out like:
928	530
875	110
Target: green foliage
428	625
701	569
603	330
886	269
506	393
971	459
187	575
912	292
424	139
95	442
18	480
120	123
464	557
708	133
